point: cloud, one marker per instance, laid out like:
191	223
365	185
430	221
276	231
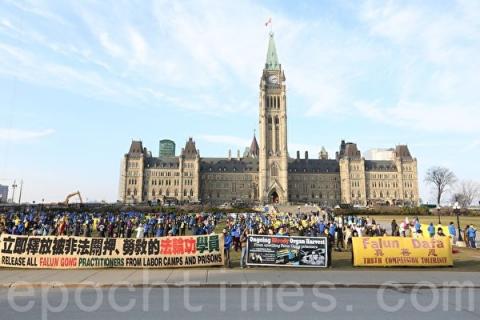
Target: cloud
112	48
418	116
23	135
36	10
193	56
434	52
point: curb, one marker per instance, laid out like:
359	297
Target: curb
251	285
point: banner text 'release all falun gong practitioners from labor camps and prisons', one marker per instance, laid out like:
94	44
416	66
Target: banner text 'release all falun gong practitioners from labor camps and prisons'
68	252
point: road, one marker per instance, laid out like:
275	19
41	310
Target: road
239	303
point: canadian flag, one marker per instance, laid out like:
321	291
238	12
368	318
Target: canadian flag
268	22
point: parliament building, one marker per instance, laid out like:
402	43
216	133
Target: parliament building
265	173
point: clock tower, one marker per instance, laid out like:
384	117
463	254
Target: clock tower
273	155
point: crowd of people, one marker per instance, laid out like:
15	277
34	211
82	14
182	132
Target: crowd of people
339	230
414	229
122	225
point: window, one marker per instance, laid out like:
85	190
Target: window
274	170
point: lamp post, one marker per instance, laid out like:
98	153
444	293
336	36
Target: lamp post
456	210
438	213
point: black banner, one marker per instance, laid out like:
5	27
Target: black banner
286	251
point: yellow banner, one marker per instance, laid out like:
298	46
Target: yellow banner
62	252
400	251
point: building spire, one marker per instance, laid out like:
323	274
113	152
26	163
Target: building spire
272	58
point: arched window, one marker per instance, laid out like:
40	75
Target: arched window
185	192
129	192
153	193
167	193
191	192
134	192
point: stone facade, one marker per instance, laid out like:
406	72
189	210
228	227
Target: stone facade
266	174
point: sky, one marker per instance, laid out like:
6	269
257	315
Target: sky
80	79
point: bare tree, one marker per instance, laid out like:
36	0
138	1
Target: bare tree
441	178
466	192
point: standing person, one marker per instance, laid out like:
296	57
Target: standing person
394	227
418	226
321	228
453	232
228	244
101	229
140	231
472	235
331	230
348	237
243	244
330	244
402	229
340	237
88	229
183	227
129	229
77	229
236	237
110	229
431	230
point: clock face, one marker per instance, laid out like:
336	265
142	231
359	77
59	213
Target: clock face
273	79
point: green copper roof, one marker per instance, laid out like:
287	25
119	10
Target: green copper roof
272	58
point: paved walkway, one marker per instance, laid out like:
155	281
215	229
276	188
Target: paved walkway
215	277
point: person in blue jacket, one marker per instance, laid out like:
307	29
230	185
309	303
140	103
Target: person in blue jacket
321	228
453	232
332	229
228	240
418	226
472	235
431	230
